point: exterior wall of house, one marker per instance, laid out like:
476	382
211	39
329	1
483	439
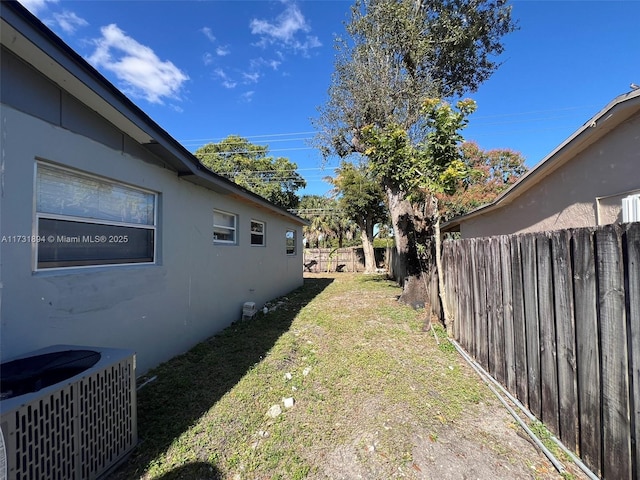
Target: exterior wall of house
585	191
194	289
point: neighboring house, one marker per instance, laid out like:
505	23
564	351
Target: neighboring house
582	183
113	234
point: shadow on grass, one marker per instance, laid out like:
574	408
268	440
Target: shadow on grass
187	386
193	471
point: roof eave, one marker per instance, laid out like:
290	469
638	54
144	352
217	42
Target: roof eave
616	112
33	41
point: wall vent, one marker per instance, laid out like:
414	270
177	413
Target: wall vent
77	429
631	209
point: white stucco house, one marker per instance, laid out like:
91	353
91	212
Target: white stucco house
112	232
591	179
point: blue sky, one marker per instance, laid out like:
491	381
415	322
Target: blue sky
259	69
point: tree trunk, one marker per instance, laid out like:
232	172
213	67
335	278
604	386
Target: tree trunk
366	234
411	228
448	319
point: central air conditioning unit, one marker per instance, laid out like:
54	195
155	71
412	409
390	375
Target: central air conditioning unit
68	412
631	209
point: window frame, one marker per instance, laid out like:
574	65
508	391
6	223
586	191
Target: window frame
233	229
262	234
294	246
87	221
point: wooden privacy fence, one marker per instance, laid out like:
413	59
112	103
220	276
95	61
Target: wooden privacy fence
555	317
348	259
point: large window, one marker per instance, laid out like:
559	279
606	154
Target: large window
83	220
224	227
257	233
290	238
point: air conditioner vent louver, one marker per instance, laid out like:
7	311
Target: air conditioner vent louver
77	429
631	209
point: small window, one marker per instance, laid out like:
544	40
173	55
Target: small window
291	242
257	233
83	220
224	227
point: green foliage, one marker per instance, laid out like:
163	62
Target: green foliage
398	53
433	166
486	175
383	242
249	165
359	195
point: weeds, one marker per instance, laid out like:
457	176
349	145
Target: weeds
366	381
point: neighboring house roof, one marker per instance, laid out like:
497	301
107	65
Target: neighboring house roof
615	113
26	36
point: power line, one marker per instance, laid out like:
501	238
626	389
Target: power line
295	135
217	140
282	140
249	151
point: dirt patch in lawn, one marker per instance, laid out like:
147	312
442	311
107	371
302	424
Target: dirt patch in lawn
373	397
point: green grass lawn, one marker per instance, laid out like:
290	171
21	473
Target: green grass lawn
367	380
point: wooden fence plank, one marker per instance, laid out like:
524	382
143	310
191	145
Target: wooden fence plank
456	301
467	306
480	292
498	311
546	316
566	338
475	298
530	287
519	324
449	286
463	291
471	262
632	266
490	306
616	438
587	348
507	310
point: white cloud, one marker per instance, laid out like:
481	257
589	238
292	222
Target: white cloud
223	51
139	69
251	77
35	6
247	96
69	21
258	63
227	82
207	58
286	30
274	64
208	33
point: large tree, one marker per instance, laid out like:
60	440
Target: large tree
421	173
397	55
250	166
361	200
